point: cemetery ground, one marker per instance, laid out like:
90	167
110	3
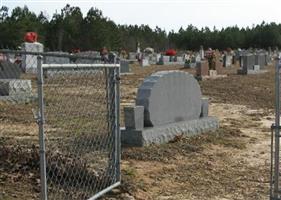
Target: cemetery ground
230	163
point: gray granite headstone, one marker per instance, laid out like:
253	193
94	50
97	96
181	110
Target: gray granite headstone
168	97
9	70
14	87
92	54
57	59
124	66
260	59
134	117
132	56
248	62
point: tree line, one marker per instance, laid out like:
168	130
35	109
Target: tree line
69	30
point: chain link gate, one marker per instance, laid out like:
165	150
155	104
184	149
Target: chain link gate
76	107
79	118
275	193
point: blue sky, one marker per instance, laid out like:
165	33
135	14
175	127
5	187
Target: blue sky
169	14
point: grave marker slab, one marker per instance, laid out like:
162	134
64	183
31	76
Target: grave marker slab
145	62
56	59
93	54
9	70
134	117
124	66
170	105
202	68
248	62
29	62
169	96
10	87
219	67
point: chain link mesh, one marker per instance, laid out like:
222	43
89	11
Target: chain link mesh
80	132
81	119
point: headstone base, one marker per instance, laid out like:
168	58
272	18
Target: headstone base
168	132
14	87
249	71
213	73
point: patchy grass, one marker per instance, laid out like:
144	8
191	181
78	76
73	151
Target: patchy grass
224	136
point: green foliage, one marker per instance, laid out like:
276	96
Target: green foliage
69	29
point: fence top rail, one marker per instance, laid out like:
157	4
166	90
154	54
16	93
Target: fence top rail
48	54
79	66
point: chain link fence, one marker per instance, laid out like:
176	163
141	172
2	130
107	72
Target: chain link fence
275	193
74	99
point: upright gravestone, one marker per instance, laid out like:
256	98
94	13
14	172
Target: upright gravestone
9	70
158	57
248	63
132	56
145	62
29	62
58	57
202	68
167	103
91	54
197	58
227	60
267	59
260	59
170	104
153	59
124	66
219	67
12	88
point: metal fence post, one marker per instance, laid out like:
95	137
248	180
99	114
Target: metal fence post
40	121
117	133
277	130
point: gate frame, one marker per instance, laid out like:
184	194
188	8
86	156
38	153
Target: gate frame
275	139
41	120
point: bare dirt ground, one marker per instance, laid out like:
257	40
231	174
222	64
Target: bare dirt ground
230	163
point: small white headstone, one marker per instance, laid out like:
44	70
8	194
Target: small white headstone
29	62
144	62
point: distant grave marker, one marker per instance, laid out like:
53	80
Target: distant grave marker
29	62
